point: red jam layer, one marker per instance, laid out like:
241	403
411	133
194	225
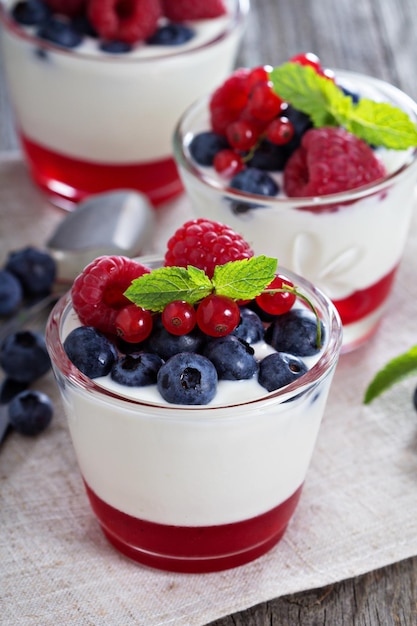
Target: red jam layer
69	180
193	549
363	302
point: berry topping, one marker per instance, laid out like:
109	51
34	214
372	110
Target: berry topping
330	160
30	13
277	299
204	147
90	351
166	344
171	35
11	293
233	359
59	31
294	332
23	356
204	244
253	180
136	370
279	369
36	270
97	293
250	327
179	317
125	20
67	7
133	324
30	412
185	10
217	315
187	378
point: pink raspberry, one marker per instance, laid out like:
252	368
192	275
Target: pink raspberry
184	10
97	293
330	160
204	244
129	21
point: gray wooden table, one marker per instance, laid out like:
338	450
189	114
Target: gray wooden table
379	38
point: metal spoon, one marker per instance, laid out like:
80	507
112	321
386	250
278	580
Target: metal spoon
117	222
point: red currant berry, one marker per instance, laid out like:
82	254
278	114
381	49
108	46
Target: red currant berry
279	302
179	317
308	58
258	75
280	131
134	324
264	104
227	163
241	135
217	315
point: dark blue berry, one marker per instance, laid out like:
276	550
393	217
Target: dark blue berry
269	157
252	180
35	269
294	332
115	47
90	351
166	344
136	370
204	147
187	378
30	412
279	369
60	32
23	356
171	35
30	12
355	97
9	388
233	359
81	24
301	123
250	327
11	293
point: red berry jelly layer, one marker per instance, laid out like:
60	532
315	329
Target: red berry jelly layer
70	180
363	302
193	549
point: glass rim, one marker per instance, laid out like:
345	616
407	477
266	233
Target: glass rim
237	19
295	202
309	380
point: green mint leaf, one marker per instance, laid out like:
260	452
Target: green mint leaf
378	123
244	279
155	290
393	372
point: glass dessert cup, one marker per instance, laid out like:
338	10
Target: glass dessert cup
194	489
92	122
348	244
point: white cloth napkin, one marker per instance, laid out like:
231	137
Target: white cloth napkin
358	510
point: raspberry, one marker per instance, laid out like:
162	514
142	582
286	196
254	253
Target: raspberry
125	20
330	160
97	293
183	10
204	244
67	7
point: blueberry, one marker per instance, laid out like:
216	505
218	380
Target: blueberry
279	369
60	32
253	180
30	12
301	123
204	147
269	157
115	47
23	356
171	35
81	24
294	332
355	97
30	412
250	327
35	269
11	293
187	378
166	344
9	388
136	370
233	359
90	351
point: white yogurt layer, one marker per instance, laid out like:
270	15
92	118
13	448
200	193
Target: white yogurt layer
340	251
115	108
193	466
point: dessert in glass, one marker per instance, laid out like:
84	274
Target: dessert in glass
208	479
338	219
97	112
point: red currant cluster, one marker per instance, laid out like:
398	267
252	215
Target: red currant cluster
246	110
215	315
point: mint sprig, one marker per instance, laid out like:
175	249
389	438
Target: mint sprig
378	123
397	369
239	280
